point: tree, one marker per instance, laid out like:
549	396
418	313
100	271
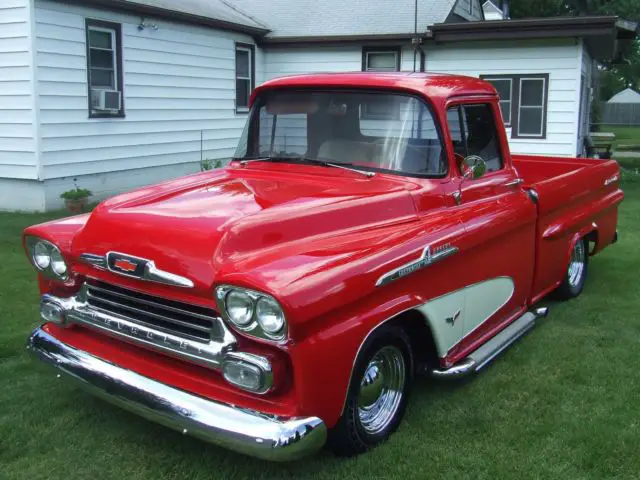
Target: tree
613	77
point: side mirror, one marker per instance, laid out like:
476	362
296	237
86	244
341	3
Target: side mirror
474	167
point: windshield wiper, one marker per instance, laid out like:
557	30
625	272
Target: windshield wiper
344	166
315	161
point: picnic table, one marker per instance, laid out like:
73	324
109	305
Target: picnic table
599	144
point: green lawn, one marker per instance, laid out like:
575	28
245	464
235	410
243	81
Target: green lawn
624	135
563	403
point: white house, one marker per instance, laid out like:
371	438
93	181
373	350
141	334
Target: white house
113	94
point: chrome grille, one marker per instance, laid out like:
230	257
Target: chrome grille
177	318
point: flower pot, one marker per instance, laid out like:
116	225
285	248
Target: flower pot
76	205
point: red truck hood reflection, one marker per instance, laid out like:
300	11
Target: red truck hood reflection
195	225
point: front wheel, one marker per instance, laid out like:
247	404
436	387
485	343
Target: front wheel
573	282
378	392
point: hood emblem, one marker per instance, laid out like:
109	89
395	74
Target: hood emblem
134	267
124	265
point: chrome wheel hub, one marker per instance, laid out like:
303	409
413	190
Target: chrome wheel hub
576	264
381	389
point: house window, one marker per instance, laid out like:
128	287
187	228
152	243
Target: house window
381	59
523	101
245	75
504	86
104	69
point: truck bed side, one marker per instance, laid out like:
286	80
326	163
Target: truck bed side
576	198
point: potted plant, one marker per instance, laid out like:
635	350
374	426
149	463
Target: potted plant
76	199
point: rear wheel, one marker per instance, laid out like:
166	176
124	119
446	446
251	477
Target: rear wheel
377	396
573	282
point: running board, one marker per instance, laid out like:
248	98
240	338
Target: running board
491	349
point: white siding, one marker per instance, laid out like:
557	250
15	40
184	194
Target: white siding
18	145
178	81
284	61
560	59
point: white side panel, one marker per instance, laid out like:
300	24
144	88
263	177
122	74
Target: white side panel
560	59
455	315
179	83
18	146
484	299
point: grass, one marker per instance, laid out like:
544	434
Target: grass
629	136
562	403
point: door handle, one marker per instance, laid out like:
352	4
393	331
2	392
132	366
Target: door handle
514	183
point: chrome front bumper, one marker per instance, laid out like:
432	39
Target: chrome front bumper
245	431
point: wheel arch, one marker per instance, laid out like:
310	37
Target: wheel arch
422	341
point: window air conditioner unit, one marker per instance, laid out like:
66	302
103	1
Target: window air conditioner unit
106	100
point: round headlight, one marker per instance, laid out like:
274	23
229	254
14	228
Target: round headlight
41	255
58	267
239	306
270	315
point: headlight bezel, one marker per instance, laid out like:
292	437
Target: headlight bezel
31	242
253	327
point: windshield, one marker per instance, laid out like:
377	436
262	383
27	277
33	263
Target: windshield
366	130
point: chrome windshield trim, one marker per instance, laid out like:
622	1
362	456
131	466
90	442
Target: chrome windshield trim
247	431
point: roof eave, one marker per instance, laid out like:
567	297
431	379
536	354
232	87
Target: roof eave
602	33
168	14
379	39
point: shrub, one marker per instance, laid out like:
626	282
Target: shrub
76	194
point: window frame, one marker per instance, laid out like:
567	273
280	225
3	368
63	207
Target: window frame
516	81
251	49
459	105
366	51
91	24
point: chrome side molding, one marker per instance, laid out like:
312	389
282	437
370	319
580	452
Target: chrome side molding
429	257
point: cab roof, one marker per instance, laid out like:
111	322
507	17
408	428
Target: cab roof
437	86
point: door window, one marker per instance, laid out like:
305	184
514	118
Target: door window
473	132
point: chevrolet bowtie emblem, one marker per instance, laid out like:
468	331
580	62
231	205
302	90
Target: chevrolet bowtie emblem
136	267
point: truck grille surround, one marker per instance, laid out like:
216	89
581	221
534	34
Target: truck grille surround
189	332
177	318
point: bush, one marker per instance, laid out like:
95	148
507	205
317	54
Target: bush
76	194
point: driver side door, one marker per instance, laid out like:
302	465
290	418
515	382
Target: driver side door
499	222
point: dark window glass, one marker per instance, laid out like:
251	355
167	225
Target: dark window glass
242	63
243	92
100	39
504	86
102	78
477	136
530	121
101	58
531	92
244	77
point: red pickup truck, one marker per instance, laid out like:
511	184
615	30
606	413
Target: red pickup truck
370	228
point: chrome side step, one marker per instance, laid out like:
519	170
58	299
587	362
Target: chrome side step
498	344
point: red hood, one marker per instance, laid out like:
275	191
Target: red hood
195	225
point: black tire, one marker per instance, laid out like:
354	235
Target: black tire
573	282
352	435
